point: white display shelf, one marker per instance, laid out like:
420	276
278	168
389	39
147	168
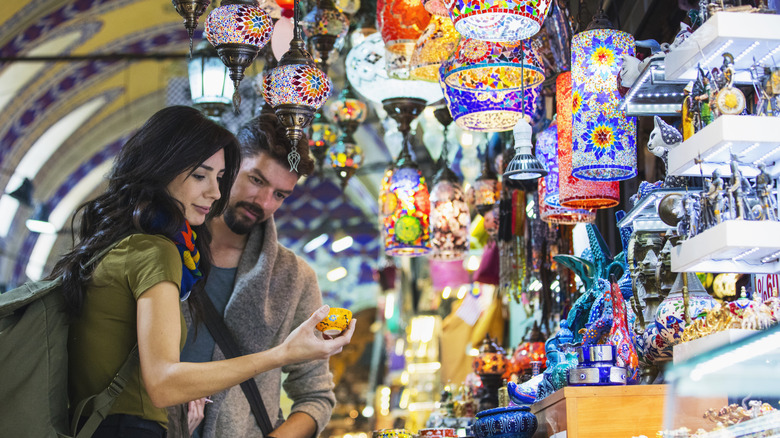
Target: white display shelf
652	95
753	139
744	35
691	349
731	246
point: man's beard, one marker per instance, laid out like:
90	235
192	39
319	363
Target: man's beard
240	224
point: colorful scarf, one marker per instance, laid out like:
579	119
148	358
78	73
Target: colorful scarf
190	258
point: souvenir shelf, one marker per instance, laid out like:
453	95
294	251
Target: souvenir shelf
644	215
753	139
652	94
745	35
738	372
731	246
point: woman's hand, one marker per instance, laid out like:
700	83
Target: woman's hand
305	342
195	413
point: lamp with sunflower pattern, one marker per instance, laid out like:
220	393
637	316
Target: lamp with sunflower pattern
575	192
238	29
604	140
498	20
296	89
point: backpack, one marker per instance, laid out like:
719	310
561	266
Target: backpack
34	364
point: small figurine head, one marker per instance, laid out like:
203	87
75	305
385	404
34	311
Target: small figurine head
716	174
629	71
761	167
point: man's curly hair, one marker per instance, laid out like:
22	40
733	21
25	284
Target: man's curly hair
266	134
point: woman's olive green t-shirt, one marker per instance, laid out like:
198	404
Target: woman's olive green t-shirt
101	338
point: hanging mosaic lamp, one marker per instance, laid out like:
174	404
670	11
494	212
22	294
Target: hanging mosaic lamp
498	20
604	139
346	156
190	11
487	189
366	73
406	228
481	110
450	217
322	135
323	26
296	89
238	29
436	44
575	192
550	210
559	215
401	23
524	164
496	66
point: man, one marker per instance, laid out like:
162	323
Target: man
264	292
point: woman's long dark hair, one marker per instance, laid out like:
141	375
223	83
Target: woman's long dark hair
175	140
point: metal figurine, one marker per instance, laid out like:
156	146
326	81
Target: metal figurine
715	199
702	113
736	193
729	99
688	109
764	193
766	84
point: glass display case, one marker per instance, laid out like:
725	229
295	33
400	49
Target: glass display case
739	381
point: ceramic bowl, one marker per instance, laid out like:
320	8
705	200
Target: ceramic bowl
437	432
509	422
336	321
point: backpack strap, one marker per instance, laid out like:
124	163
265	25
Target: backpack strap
105	399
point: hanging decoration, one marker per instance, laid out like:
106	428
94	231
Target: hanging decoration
190	11
487	189
557	214
498	20
575	192
407	201
210	85
322	135
491	111
295	89
494	66
346	156
450	218
365	67
434	46
323	26
401	23
238	29
604	140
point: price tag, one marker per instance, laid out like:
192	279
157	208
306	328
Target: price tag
765	284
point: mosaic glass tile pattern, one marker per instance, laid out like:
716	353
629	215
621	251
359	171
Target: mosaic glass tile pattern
450	221
406	228
296	84
498	20
604	139
325	22
348	109
239	24
434	46
485	65
436	7
491	111
575	192
345	154
401	22
552	212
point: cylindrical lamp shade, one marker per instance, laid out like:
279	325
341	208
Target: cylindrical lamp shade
485	65
491	111
604	140
450	221
434	46
406	228
498	20
553	213
575	192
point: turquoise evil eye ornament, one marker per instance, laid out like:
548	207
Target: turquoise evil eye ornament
604	138
238	29
498	20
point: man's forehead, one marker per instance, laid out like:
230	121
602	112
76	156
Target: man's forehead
271	170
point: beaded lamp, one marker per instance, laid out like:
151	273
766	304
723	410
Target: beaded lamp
575	192
434	46
323	26
190	11
366	73
238	29
322	135
407	201
604	139
450	219
495	66
401	23
498	20
295	89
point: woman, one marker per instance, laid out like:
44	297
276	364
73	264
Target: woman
171	177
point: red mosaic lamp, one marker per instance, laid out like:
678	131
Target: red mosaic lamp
238	29
401	23
575	192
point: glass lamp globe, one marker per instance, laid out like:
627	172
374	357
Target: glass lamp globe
323	26
434	46
498	20
210	85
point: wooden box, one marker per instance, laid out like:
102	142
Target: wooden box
614	412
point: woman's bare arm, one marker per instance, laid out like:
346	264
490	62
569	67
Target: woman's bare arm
169	381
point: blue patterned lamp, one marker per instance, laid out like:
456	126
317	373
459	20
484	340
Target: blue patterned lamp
498	20
604	139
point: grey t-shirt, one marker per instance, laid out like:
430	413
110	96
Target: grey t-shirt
219	287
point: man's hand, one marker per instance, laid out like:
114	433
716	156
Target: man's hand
195	413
